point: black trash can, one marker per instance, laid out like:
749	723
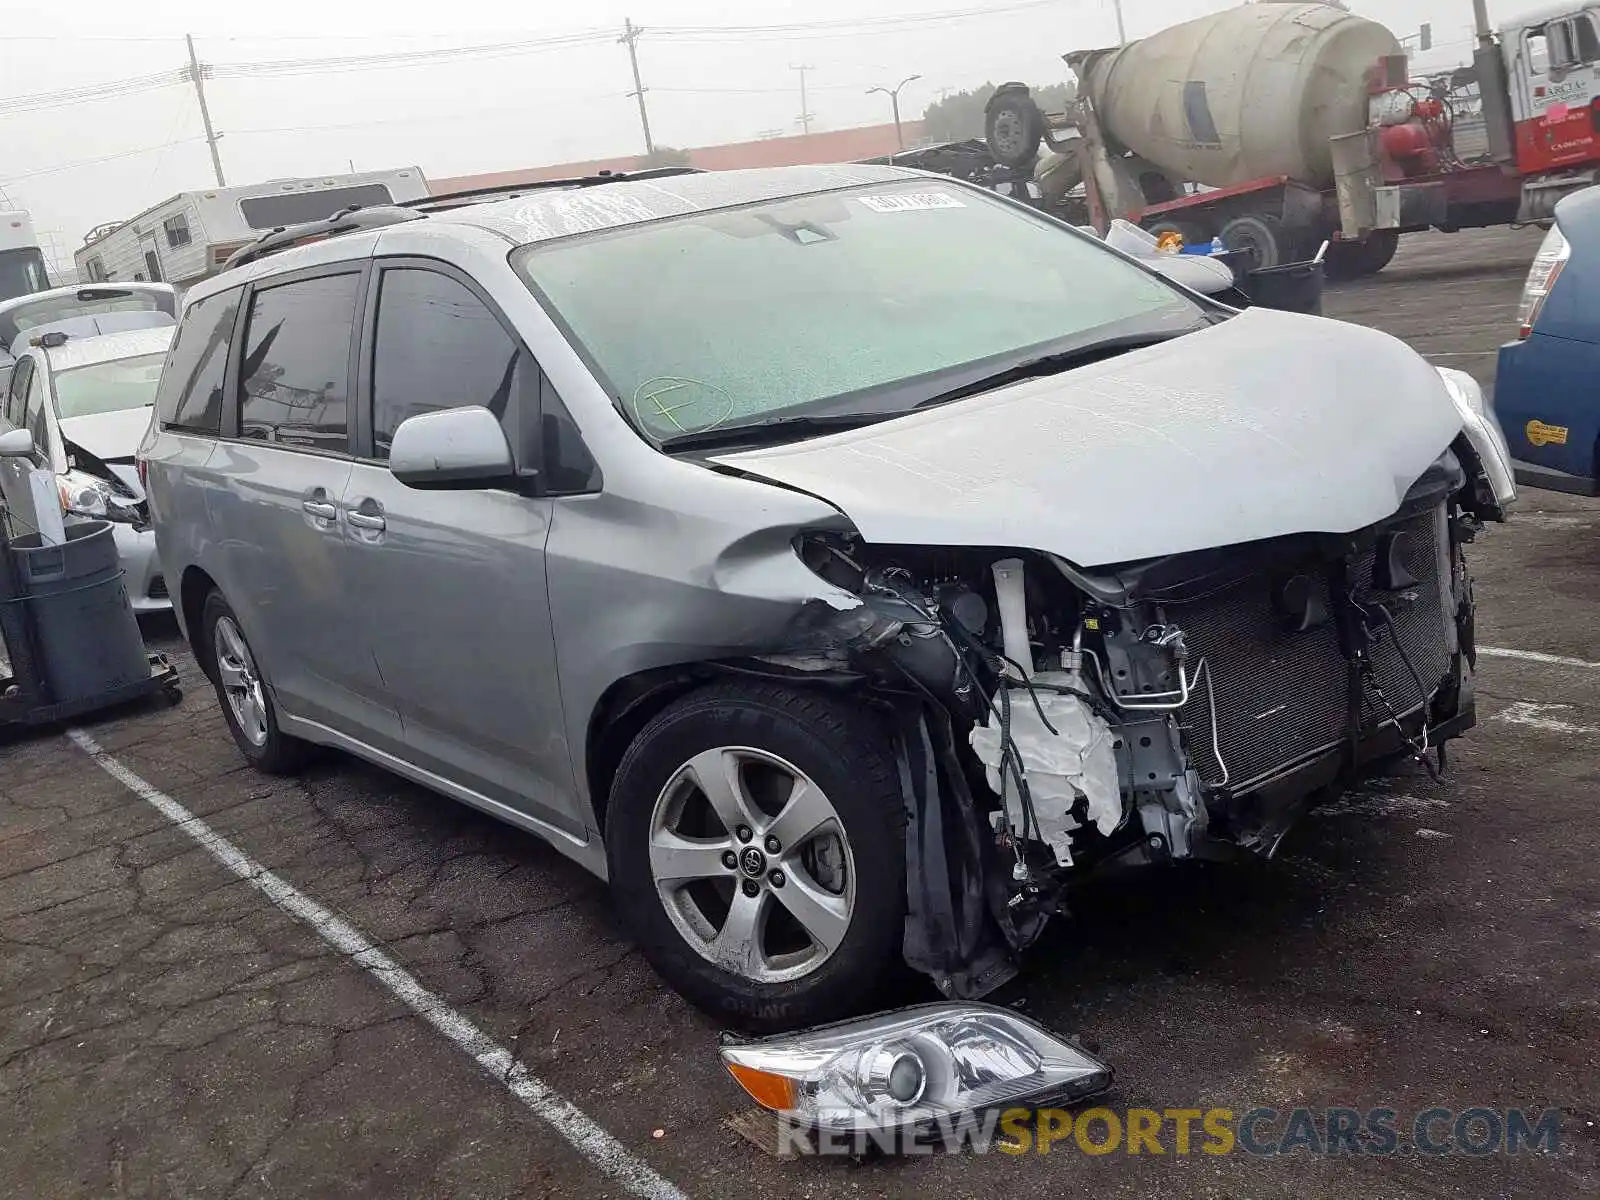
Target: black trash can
1294	287
84	628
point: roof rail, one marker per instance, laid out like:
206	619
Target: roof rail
446	201
347	220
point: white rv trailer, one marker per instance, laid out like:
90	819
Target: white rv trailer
21	261
190	236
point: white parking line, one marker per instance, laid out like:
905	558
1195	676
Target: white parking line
1538	656
1525	712
591	1141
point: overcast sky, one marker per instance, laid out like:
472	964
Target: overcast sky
549	105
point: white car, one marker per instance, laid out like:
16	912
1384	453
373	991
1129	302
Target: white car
87	401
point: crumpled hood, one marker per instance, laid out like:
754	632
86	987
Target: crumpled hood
108	436
1266	424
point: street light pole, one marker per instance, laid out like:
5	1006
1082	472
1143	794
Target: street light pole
894	104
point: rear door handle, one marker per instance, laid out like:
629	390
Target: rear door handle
320	509
362	520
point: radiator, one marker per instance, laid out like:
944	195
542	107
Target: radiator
1283	696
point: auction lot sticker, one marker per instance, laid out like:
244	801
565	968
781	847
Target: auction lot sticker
910	201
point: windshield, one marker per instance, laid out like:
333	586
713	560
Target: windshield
860	300
87	303
21	271
108	386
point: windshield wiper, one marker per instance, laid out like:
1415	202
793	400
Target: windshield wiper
773	429
1051	364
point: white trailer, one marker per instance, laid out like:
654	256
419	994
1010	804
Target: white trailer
191	236
21	261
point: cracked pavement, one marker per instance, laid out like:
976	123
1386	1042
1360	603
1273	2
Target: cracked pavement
166	1032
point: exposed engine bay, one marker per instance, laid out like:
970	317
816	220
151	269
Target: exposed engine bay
1053	720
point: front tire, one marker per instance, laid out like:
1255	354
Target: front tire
756	843
243	695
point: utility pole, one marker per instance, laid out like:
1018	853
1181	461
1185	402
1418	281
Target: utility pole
894	103
195	73
1122	34
630	39
805	112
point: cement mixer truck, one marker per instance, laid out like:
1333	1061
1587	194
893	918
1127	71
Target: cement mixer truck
1277	127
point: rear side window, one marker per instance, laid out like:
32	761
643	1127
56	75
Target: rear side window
192	382
297	363
437	346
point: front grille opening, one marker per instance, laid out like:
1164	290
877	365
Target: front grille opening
1282	696
158	588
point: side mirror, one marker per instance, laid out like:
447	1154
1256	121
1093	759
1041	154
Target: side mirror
452	448
16	443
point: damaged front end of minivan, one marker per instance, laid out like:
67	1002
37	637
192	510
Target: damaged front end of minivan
1051	720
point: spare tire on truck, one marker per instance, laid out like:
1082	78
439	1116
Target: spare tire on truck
1013	126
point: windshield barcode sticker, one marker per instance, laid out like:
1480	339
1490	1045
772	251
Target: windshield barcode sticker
910	201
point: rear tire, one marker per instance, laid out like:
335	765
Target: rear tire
244	696
840	878
1357	260
1263	235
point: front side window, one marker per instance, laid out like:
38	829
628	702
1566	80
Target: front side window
190	394
105	387
17	391
864	300
34	416
437	346
296	375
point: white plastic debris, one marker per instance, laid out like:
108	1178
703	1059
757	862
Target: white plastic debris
1078	759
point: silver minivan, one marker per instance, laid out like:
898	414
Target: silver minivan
839	560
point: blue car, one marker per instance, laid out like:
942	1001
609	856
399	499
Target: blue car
1547	388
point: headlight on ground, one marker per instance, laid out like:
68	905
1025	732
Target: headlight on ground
916	1065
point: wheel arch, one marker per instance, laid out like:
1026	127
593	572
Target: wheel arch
633	701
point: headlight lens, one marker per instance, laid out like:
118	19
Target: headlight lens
1553	254
84	495
916	1065
1483	431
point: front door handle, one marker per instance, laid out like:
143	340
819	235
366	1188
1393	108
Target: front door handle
320	509
364	520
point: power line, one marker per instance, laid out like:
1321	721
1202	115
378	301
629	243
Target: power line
94	91
339	64
94	162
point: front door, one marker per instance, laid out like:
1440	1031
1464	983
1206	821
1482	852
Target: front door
453	582
149	250
1555	88
278	520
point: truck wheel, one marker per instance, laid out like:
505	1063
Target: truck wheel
1356	260
756	844
1013	127
1263	236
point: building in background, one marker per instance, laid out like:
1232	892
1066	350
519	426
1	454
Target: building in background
836	145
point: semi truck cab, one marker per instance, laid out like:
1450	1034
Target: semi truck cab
1553	64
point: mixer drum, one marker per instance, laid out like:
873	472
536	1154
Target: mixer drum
1242	94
